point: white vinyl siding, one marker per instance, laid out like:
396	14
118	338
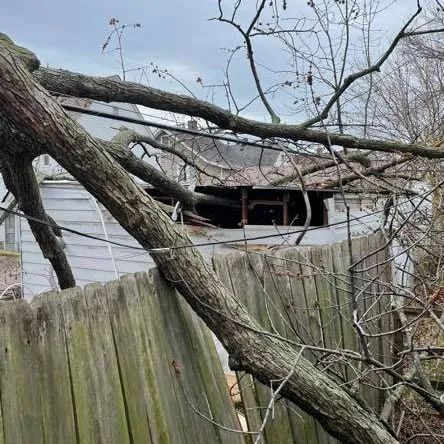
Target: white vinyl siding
71	206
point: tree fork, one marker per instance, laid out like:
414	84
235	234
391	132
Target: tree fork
121	152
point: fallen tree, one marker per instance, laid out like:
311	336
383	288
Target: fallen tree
33	123
108	90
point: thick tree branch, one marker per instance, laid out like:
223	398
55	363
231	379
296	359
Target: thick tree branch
129	136
370	171
119	149
27	57
423	32
358	157
107	90
19	177
12	204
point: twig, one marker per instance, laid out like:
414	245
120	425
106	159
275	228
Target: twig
271	403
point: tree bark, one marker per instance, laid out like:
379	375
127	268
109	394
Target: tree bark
192	160
26	106
370	171
151	175
19	177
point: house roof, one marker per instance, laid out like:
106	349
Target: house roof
225	155
253	166
243	165
97	126
327	178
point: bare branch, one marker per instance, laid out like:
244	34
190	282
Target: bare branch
250	54
130	136
348	81
118	148
307	207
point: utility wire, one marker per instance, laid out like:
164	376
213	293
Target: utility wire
198	133
178	129
202	244
144	122
167	127
115	106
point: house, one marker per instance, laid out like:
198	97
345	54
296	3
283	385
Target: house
247	174
220	160
236	172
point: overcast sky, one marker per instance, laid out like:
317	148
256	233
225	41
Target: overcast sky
175	34
69	34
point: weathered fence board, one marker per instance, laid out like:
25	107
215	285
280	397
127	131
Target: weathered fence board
303	293
19	385
57	410
125	362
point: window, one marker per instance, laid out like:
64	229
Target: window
46	159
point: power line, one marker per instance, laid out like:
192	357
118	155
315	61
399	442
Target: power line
155	124
179	129
201	244
69	230
115	106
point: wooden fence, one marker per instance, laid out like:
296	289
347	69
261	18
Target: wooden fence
126	362
303	293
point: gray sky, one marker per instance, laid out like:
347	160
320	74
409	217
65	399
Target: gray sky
70	33
175	34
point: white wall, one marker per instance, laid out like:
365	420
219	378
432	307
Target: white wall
72	206
102	128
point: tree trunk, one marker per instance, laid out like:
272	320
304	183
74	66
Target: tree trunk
26	106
